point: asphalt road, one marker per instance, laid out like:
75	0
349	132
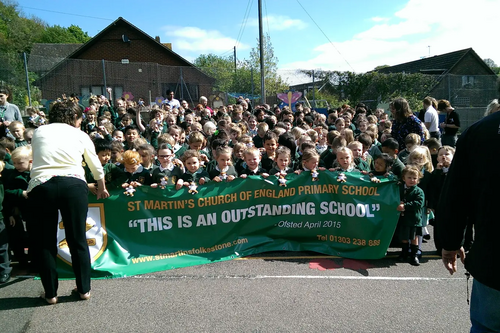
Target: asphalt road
272	292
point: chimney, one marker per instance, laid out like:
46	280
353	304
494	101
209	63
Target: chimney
157	38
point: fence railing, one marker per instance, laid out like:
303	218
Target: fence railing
53	76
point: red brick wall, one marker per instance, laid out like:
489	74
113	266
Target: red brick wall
141	48
147	71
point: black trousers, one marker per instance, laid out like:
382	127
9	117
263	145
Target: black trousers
69	195
4	250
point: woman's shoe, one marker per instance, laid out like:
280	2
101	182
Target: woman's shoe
83	297
50	301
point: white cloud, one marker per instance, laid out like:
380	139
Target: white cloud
444	25
194	39
379	19
278	23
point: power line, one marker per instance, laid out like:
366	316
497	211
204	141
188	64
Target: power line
245	19
223	54
53	11
267	19
347	62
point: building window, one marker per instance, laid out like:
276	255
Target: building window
467	81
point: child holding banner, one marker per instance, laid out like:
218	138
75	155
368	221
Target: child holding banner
224	170
252	159
135	173
310	162
345	160
411	208
194	175
168	171
113	175
282	162
270	144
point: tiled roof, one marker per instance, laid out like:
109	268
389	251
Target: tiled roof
44	56
438	64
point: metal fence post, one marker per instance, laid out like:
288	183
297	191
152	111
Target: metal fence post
104	77
27	78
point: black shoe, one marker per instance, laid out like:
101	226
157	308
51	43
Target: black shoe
4	277
414	255
414	261
427	237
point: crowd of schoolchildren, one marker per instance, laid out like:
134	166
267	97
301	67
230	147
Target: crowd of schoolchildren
174	145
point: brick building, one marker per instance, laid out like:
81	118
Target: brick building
126	59
463	77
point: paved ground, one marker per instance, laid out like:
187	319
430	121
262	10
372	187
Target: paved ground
273	292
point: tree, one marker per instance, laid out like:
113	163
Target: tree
240	80
58	34
273	82
17	36
220	68
490	62
373	88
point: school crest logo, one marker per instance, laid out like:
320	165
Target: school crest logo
97	238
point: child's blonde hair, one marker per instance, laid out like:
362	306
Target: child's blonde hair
313	135
372	119
209	128
309	154
196	126
251	151
353	144
23	152
223	150
348	135
412	170
131	157
424	153
412	139
196	137
14	124
233	128
345	150
282	150
246	140
297	132
262	128
166	138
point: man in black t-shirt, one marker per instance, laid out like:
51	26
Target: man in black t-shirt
451	124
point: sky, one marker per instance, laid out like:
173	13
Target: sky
344	35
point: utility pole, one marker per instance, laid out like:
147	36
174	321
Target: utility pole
235	59
314	88
261	46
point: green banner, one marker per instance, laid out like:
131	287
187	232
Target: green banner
159	229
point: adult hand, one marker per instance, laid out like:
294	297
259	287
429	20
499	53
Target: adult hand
102	193
450	259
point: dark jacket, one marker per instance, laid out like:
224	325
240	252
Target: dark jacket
413	200
471	192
